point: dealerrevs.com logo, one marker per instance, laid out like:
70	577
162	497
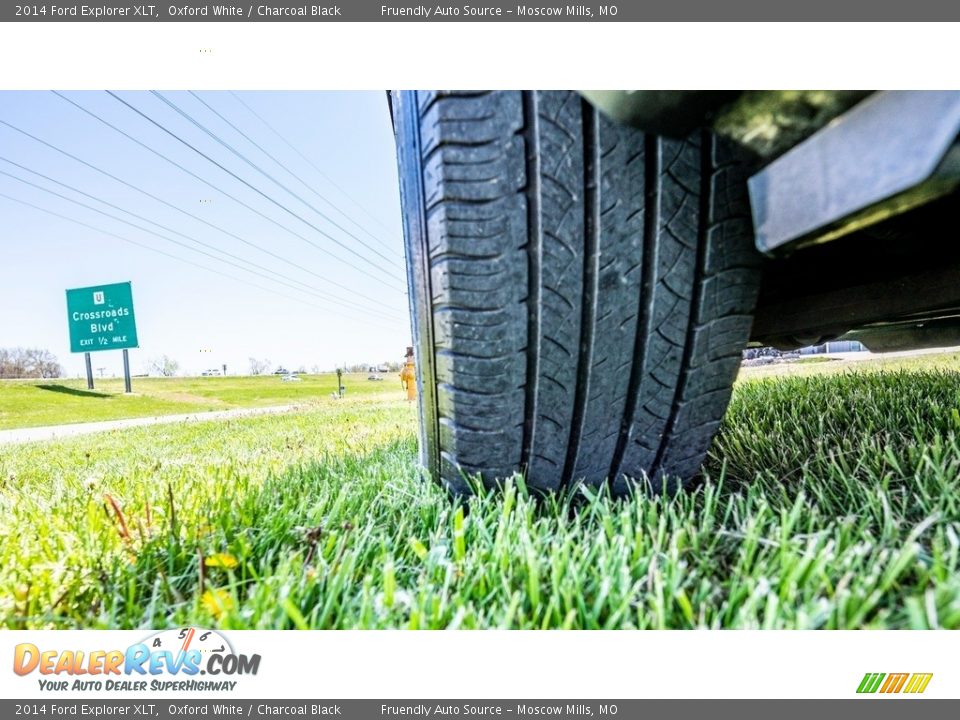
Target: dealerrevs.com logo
892	683
169	660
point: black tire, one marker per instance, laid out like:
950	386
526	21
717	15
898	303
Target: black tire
581	291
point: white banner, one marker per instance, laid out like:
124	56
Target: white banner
313	56
194	662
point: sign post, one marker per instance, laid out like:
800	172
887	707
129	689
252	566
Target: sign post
126	372
89	364
101	318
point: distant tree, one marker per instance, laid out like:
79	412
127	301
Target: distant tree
29	363
259	367
164	365
45	363
12	363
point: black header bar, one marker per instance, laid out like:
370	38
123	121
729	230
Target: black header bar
485	11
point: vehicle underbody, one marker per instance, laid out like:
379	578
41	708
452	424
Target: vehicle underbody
882	270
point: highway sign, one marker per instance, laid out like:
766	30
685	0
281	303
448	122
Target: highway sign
101	318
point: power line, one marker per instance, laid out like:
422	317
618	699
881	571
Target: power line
177	242
313	290
223	143
320	295
270	177
174	207
249	185
290	172
322	174
175	257
210	184
188	172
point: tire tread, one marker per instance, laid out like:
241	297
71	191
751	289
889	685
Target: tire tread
591	289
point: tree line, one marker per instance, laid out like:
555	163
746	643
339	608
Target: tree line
21	362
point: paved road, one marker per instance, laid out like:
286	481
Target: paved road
52	432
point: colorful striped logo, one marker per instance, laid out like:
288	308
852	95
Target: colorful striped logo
913	683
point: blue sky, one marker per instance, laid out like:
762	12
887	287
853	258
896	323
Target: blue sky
306	301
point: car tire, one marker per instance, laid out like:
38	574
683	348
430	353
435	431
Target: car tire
580	291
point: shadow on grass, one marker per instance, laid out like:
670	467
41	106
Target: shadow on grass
73	391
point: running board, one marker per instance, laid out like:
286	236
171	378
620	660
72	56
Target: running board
894	151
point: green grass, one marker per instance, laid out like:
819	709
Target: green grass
31	403
817	365
813	360
830	500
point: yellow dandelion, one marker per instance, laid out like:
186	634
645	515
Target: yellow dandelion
221	560
217	602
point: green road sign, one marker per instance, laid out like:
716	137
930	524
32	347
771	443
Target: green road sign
101	318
